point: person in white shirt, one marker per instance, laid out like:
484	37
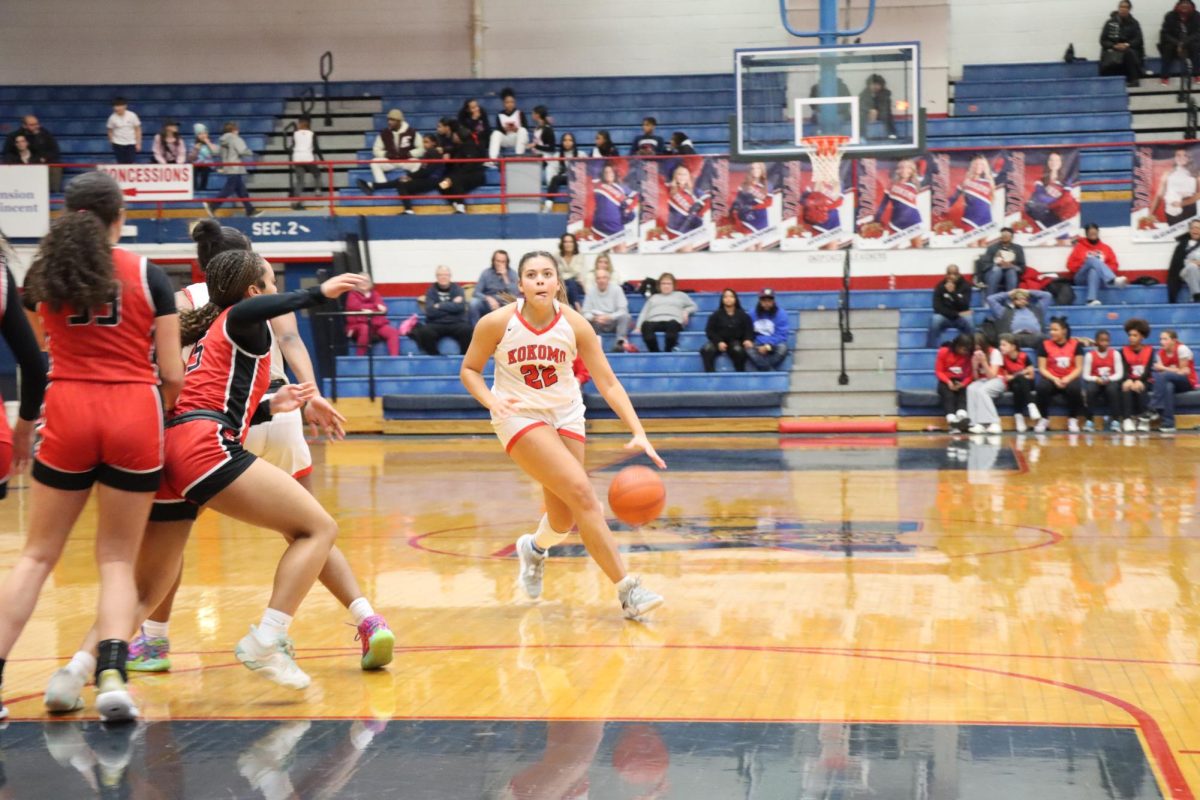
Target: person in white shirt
124	132
511	130
304	150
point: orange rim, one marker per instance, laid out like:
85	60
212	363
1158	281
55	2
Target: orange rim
826	145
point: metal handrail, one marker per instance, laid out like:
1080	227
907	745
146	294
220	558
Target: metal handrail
332	338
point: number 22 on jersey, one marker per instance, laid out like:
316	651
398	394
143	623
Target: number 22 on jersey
539	377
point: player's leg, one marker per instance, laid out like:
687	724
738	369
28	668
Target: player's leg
542	454
150	650
552	529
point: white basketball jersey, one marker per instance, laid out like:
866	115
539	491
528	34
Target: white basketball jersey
198	294
535	366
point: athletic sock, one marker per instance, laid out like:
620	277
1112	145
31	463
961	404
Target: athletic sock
546	537
113	653
360	609
272	628
82	664
155	630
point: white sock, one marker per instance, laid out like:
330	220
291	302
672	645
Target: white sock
272	628
360	609
155	630
83	664
951	417
546	537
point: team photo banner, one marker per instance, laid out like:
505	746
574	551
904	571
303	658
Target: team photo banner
748	205
677	204
605	196
894	203
1166	186
1042	202
817	216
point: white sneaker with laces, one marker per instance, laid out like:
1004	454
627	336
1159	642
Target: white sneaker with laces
995	428
1143	426
64	693
275	663
1120	281
1129	426
1034	413
1072	425
532	567
113	700
1019	423
1041	426
636	599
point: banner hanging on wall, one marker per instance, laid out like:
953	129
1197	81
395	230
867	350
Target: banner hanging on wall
969	202
817	216
894	203
748	205
1043	196
604	198
1166	186
677	200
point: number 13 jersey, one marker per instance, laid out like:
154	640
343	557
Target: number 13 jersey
535	367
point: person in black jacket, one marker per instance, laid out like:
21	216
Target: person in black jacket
1185	265
1179	39
462	177
1122	51
425	179
729	330
951	306
445	315
42	144
875	105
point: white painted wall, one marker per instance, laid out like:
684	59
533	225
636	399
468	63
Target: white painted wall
998	31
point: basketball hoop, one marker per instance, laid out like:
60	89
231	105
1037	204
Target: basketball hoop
825	153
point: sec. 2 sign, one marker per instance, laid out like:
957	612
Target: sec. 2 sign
276	228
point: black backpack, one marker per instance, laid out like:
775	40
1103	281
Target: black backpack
1061	291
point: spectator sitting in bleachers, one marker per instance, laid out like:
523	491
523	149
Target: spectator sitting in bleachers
543	142
511	131
604	146
232	150
987	383
875	107
41	143
1060	365
395	148
1021	312
425	179
557	170
168	146
681	145
647	143
445	132
953	371
21	152
951	306
1001	265
770	333
462	177
1179	39
1103	373
1093	264
203	153
124	132
372	321
667	311
1122	51
474	123
446	315
497	286
729	330
607	308
1018	376
571	267
1185	265
1138	358
1174	372
603	261
304	149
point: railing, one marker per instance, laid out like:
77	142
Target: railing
846	335
335	323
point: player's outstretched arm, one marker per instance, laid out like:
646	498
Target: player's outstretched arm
592	353
484	341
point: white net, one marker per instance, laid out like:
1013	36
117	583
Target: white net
825	153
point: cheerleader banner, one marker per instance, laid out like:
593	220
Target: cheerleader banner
605	195
677	199
816	215
1042	202
1166	187
894	203
969	201
748	205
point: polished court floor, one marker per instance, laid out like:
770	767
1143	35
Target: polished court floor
900	617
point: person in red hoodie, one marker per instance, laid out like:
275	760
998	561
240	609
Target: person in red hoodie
1092	264
372	322
953	370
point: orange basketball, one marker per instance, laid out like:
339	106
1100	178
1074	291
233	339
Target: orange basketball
637	495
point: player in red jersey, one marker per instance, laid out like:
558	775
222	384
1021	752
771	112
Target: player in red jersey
1060	365
105	313
16	449
1135	390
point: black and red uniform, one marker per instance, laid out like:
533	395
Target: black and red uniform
223	388
14	327
1060	362
103	416
1138	365
1013	372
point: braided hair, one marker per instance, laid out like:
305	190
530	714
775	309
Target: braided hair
229	276
74	266
211	238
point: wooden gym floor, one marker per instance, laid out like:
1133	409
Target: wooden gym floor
899	617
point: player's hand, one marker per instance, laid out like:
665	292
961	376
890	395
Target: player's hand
323	418
22	445
340	284
503	409
291	396
642	443
722	346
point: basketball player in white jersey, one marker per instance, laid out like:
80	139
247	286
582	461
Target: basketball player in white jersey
538	414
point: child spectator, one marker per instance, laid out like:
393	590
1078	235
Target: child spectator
571	268
232	150
203	153
497	286
462	177
361	329
1060	364
607	308
124	132
1093	264
729	330
474	123
681	145
557	170
1135	390
951	306
770	333
647	143
604	146
1103	372
987	383
1174	372
1018	374
303	150
667	311
953	371
445	315
425	179
511	129
168	145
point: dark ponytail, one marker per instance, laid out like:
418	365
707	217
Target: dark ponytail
73	266
229	276
1062	321
212	238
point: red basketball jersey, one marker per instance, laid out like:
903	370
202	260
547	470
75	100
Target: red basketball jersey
1138	362
222	377
110	344
1013	366
1103	366
1172	360
1060	358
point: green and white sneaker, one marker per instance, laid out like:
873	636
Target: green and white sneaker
275	663
113	700
149	655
